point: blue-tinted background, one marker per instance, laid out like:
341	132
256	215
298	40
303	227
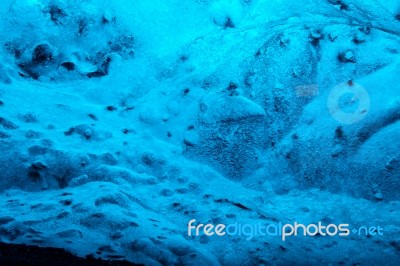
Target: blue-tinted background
121	121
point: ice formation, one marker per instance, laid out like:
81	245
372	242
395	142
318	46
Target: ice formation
120	121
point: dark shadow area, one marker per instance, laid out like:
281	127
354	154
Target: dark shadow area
13	254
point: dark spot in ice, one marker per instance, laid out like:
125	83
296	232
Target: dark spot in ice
186	91
396	245
56	14
36	206
150	159
339	134
28	118
282	248
129	108
35	169
105	20
115	257
12	48
116	236
344	7
165	192
38	166
229	23
237	204
347	57
181	190
241	206
188	143
68	66
207	196
66	202
30	134
62	215
365	29
315	37
103	69
111	108
37	150
92	116
6	219
125	131
7	124
11	233
305	209
357	40
393	164
22	75
96	74
28	70
183	58
105	64
70	131
82	26
42	54
34	175
98	215
106	249
4	135
232	86
133	224
339	3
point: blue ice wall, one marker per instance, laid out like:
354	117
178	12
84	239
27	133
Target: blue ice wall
212	132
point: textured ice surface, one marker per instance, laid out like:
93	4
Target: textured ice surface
121	121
